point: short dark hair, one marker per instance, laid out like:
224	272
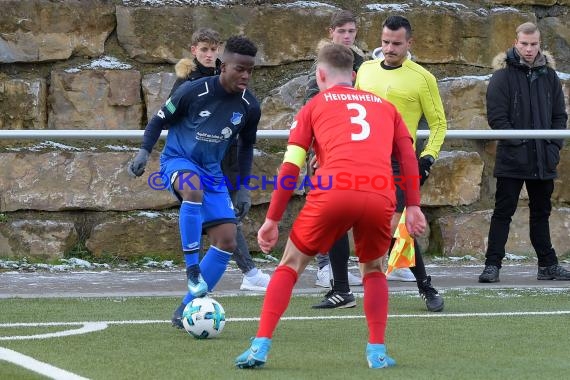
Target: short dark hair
337	57
396	22
240	45
207	35
342	17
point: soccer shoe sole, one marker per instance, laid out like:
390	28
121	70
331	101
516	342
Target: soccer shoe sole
177	323
436	308
252	288
396	277
383	361
322	284
328	306
256	355
490	281
249	362
377	357
551	277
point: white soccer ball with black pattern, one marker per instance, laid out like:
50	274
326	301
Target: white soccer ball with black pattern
204	318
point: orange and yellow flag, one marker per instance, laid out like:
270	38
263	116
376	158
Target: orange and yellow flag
403	254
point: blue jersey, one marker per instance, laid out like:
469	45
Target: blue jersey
204	120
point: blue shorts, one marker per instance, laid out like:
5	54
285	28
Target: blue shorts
217	207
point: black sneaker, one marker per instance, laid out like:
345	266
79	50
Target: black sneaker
336	300
553	272
434	302
177	317
490	274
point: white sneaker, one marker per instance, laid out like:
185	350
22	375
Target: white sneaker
258	282
324	277
354	280
401	274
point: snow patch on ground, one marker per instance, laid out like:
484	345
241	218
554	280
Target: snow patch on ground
388	7
443	4
510	256
121	148
45	145
504	9
73	263
105	63
462	258
162	3
305	4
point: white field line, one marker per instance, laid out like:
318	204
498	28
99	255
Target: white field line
87	327
37	366
252	319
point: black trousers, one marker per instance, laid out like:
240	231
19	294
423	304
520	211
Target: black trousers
506	201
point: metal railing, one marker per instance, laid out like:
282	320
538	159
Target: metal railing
479	134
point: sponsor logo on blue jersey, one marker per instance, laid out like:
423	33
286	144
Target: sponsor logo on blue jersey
227	132
236	118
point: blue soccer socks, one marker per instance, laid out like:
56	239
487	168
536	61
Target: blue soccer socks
190	222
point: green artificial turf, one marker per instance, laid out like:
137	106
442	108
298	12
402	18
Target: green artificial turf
482	334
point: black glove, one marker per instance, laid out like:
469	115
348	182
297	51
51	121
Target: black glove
425	164
243	203
136	166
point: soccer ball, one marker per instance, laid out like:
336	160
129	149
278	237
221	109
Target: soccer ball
204	318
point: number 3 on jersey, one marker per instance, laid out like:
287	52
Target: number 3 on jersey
360	120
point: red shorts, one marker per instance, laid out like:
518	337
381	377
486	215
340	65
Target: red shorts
327	215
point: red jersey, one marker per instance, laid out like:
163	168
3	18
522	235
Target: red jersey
353	133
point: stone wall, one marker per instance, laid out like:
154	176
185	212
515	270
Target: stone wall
101	64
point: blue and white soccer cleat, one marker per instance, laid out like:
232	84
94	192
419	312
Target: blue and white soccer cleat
196	284
377	357
256	355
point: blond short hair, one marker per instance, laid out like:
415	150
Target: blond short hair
527	28
336	56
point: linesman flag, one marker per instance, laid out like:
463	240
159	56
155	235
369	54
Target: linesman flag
403	253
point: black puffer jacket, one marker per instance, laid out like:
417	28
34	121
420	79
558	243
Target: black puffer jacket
188	69
524	97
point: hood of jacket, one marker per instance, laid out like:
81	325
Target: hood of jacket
511	57
184	67
377	54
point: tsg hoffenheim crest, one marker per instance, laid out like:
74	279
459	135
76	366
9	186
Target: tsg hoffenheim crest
236	118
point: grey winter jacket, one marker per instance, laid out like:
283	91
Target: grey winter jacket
524	97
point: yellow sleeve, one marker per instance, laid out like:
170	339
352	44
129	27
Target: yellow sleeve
435	116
